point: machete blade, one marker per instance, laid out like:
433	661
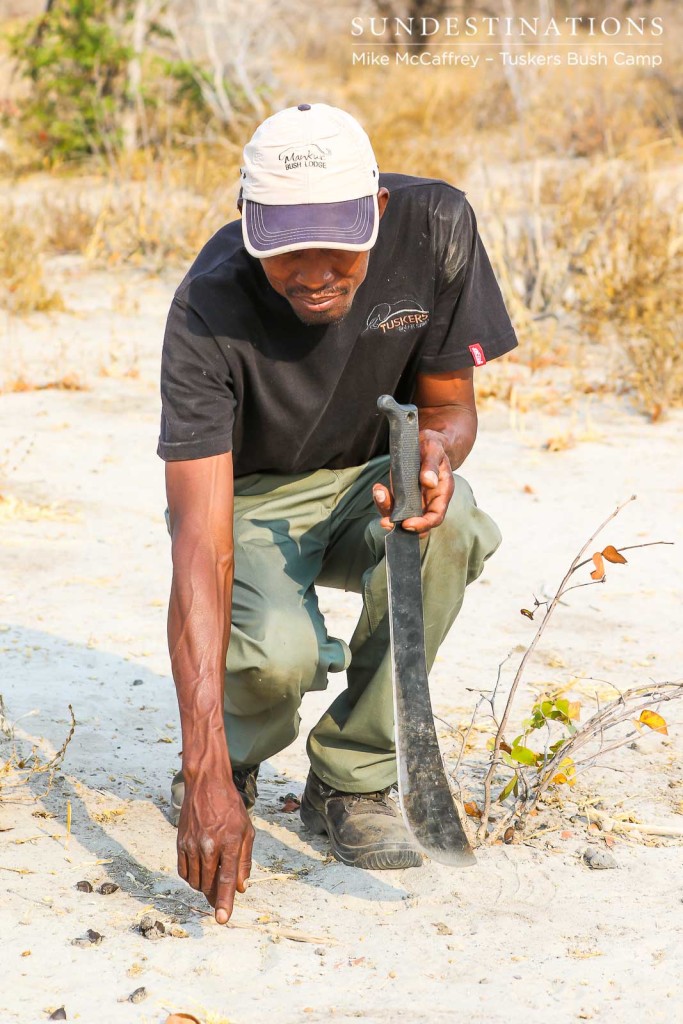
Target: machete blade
426	801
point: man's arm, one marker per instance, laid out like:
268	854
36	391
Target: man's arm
448	427
215	835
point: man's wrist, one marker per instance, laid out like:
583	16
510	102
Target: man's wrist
206	758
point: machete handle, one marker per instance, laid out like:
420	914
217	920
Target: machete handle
404	453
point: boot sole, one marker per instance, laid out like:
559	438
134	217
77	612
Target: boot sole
394	858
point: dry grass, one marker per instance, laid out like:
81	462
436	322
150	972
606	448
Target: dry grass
27	776
22	278
580	215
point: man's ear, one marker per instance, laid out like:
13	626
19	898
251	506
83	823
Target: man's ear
382	200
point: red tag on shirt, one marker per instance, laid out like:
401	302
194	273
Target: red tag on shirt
477	354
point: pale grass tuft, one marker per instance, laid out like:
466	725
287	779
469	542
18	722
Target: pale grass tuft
22	279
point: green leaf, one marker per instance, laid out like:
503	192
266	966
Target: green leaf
505	793
524	755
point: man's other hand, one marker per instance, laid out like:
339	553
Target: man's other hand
436	482
215	837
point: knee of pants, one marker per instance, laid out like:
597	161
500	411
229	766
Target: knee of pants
275	669
467	536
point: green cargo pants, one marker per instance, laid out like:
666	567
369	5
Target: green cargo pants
291	533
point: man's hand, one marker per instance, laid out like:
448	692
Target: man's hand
447	415
215	837
436	482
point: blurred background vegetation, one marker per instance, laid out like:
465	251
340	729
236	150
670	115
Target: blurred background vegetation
122	123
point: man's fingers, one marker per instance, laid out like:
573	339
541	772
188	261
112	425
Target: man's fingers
225	890
434	515
431	458
194	871
244	866
209	874
424	523
383	500
182	864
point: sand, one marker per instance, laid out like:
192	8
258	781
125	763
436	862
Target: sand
528	934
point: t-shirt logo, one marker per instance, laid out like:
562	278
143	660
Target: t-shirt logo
477	353
406	315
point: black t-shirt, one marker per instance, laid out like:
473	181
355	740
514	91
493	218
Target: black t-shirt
241	372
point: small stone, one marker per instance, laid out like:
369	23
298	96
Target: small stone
84	886
107	888
138	682
151	928
138	995
319	951
59	1014
599	860
91	938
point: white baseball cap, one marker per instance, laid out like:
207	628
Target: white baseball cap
309	180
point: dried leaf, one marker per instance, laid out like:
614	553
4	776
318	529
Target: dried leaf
509	835
654	721
599	571
525	611
102	817
611	554
442	929
472	809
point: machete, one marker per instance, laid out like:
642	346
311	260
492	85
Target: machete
425	796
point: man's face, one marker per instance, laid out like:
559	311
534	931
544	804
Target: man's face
320	284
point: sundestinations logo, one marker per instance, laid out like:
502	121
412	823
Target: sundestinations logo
482	40
402	29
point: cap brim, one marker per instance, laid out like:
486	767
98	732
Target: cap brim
272	230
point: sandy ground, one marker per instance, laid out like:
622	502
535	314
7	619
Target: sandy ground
529	934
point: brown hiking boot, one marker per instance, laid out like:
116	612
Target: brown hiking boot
365	829
245	784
